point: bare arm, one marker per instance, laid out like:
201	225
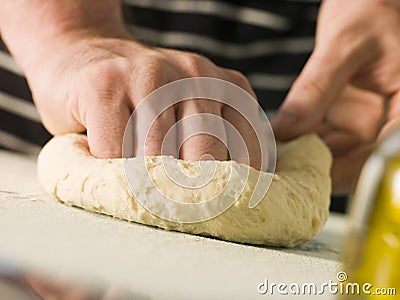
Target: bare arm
86	72
30	28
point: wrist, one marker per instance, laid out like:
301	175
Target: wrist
55	25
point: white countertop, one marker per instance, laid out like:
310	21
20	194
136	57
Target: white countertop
43	236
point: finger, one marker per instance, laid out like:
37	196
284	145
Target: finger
389	127
153	117
239	79
340	142
201	134
393	116
154	131
252	153
105	125
103	108
321	81
358	112
237	124
59	116
346	170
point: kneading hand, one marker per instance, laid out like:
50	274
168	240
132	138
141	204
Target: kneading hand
94	83
86	72
357	46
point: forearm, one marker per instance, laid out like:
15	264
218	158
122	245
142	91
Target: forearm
31	27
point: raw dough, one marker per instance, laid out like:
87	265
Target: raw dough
294	209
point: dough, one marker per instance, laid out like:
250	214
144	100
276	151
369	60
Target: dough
293	210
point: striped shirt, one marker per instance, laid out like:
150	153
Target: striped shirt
269	41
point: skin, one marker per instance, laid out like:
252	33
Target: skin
86	72
62	288
350	87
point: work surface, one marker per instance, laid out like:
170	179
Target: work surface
39	235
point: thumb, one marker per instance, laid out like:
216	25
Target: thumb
321	81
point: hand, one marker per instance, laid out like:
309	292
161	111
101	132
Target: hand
357	44
61	288
355	111
86	72
94	83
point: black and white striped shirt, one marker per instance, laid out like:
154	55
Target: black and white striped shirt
269	41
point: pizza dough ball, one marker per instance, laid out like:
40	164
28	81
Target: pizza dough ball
293	210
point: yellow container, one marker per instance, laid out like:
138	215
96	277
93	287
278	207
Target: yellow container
372	252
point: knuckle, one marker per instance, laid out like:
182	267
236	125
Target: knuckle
106	75
314	87
237	74
146	66
149	74
195	63
102	86
110	68
304	96
240	78
150	61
